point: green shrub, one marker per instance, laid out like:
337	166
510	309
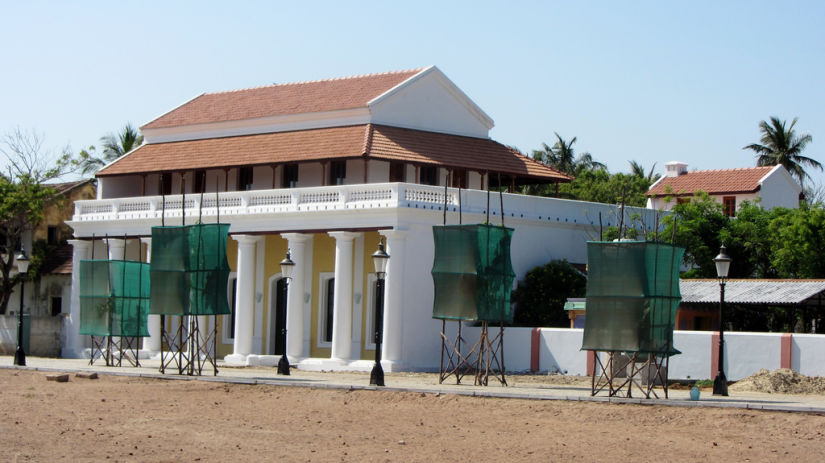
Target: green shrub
540	296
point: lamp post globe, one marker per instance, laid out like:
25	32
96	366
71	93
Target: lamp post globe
380	259
287	270
722	261
22	266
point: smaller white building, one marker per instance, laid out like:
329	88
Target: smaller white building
772	186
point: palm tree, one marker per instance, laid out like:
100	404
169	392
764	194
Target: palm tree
563	157
113	147
637	170
782	146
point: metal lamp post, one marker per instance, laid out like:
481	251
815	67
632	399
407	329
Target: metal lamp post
287	269
722	261
22	267
380	259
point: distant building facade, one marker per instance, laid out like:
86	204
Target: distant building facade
771	186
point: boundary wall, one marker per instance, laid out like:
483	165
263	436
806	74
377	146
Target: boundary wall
557	350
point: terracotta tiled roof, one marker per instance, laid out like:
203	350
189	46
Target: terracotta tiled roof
269	148
745	180
479	154
277	100
375	141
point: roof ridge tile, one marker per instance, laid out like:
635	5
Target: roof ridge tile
317	81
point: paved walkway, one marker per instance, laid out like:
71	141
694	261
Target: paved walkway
534	387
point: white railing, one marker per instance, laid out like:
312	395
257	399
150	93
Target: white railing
364	196
380	195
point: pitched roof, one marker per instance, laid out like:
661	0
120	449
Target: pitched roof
277	100
368	140
415	146
744	180
751	291
67	186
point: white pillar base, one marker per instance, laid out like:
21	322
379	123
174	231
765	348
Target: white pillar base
236	360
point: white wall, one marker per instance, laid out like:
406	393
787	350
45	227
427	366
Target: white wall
806	354
431	103
779	189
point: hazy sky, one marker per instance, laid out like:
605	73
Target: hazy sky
648	81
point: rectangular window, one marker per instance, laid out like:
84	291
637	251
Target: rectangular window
729	203
398	171
290	176
337	172
56	306
199	184
328	310
52	236
165	185
458	178
244	178
682	200
429	175
232	293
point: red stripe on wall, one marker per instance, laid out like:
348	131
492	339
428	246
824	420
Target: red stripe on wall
785	350
535	345
714	355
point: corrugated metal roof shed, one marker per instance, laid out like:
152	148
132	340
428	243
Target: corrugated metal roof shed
753	291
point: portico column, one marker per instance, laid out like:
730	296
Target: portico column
152	343
393	300
244	297
117	248
73	347
295	296
342	300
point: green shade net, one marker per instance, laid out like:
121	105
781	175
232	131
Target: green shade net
114	298
632	296
472	273
189	270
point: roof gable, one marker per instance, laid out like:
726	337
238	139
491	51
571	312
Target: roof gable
430	101
283	99
722	181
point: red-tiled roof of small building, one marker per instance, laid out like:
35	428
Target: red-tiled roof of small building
722	181
283	99
368	140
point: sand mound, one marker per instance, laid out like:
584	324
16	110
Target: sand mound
782	381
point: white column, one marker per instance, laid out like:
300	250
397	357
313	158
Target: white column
295	297
393	300
152	343
117	248
73	347
342	300
244	298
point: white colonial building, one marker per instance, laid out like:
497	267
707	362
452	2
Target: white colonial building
327	169
770	186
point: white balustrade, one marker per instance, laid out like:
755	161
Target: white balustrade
362	196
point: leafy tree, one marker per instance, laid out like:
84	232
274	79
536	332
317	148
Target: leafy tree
541	295
746	238
562	156
779	145
698	224
23	195
113	147
799	242
598	185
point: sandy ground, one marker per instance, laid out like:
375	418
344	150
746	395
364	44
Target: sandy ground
117	418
